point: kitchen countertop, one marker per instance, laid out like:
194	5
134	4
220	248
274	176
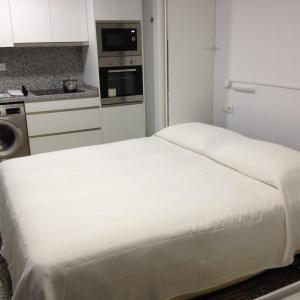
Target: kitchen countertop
88	92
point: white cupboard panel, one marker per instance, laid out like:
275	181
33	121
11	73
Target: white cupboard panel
33	107
118	10
64	141
123	123
31	21
191	26
6	35
65	121
69	20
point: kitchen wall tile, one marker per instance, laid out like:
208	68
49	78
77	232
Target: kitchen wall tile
40	68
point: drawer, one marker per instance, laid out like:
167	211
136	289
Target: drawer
64	121
55	105
64	141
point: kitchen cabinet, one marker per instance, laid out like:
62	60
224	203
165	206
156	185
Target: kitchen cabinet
31	21
123	123
118	10
63	124
6	35
64	141
63	121
49	21
69	20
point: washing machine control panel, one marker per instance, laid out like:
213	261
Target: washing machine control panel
10	111
13	110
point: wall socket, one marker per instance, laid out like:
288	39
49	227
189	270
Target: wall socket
2	67
228	108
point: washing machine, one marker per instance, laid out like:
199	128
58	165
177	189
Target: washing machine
13	131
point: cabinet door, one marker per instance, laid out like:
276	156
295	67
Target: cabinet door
69	20
63	121
123	123
31	21
6	36
64	141
118	10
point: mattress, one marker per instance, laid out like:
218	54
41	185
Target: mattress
151	218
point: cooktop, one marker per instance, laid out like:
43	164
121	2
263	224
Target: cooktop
54	92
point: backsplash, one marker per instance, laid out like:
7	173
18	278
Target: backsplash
40	68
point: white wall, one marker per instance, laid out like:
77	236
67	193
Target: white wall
260	43
90	53
149	81
154	58
191	34
118	9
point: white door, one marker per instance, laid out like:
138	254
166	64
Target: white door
31	21
190	34
69	20
6	36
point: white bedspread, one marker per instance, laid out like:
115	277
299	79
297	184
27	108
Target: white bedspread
142	219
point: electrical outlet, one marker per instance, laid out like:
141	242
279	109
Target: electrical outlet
2	67
228	108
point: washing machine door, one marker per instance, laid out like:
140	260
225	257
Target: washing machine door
11	139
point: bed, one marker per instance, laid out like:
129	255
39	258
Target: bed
188	210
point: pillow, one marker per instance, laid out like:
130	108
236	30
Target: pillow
267	162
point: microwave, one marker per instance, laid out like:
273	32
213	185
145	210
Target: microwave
119	39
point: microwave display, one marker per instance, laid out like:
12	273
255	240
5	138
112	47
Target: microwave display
119	40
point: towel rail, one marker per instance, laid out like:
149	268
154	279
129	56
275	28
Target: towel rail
229	84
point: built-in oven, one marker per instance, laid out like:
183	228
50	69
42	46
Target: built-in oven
119	39
121	80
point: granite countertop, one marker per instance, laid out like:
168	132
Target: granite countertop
88	92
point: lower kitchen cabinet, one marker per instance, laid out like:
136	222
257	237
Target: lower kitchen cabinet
63	124
63	121
123	123
64	141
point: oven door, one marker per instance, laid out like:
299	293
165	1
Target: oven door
121	85
119	39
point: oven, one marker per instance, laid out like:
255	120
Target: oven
121	80
119	39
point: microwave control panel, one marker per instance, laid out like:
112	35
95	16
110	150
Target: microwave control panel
120	61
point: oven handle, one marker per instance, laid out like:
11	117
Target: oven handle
122	71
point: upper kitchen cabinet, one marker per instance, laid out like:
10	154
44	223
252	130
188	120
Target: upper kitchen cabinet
69	20
6	36
49	21
118	10
31	21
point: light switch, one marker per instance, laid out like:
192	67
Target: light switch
2	67
228	108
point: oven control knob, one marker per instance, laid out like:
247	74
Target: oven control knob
132	62
121	62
